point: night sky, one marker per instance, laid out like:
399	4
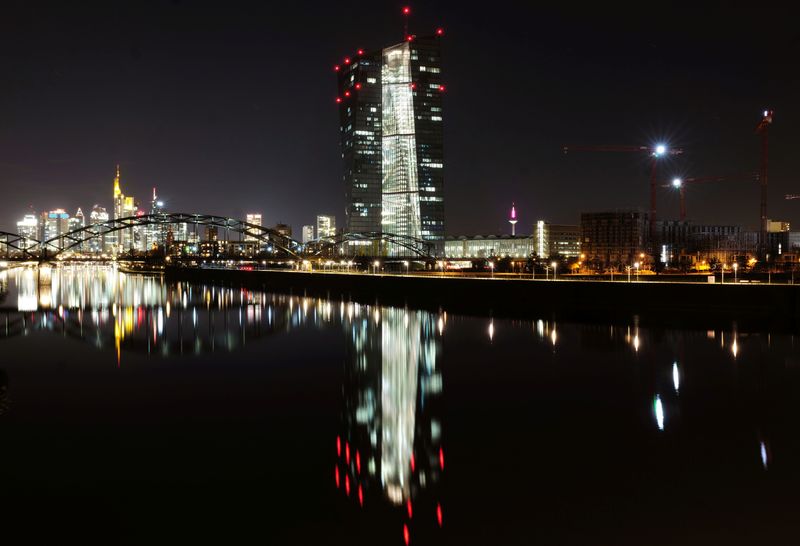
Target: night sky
229	107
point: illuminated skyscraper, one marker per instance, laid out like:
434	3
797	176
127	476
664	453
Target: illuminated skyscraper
390	112
326	226
308	233
99	244
124	207
28	227
255	219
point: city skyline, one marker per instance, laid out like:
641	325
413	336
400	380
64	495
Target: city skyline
559	86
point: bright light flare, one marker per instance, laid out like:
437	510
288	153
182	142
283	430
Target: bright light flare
677	182
676	377
658	408
661	149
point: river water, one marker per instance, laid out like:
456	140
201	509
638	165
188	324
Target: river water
138	411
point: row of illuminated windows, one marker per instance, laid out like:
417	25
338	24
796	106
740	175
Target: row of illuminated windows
431	69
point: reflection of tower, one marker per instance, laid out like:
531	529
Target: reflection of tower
513	220
391	444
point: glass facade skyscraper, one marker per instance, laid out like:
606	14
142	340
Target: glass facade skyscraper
390	111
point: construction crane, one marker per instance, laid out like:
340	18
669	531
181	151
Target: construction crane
681	183
655	152
763	129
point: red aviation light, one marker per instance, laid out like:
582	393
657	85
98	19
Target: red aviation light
406	10
336	68
337	478
406	535
409	38
441	88
338	100
410	510
413	86
347	93
440	32
347	60
439	513
360	51
358	86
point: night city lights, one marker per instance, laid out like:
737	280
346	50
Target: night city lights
266	268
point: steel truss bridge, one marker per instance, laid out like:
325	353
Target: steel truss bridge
15	247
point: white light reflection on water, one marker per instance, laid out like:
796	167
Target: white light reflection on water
658	409
676	377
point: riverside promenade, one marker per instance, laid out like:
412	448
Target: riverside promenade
752	307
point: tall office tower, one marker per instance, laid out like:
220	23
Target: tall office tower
155	235
326	226
255	219
124	207
308	233
390	122
28	228
54	224
101	243
76	223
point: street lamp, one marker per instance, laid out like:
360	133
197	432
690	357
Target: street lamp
735	267
636	265
405	263
723	274
491	266
555	266
377	264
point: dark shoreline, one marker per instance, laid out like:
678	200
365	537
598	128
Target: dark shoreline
761	307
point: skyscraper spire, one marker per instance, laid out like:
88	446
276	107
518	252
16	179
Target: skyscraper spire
117	190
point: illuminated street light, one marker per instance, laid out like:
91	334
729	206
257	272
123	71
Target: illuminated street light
376	264
491	266
677	182
405	263
661	149
636	265
555	266
735	267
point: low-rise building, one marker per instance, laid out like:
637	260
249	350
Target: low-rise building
488	246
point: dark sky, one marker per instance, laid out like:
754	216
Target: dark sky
229	107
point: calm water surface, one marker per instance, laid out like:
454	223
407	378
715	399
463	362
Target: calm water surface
138	411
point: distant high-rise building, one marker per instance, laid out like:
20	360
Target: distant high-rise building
308	234
28	228
283	229
326	226
390	122
54	224
155	234
75	223
98	245
124	207
255	219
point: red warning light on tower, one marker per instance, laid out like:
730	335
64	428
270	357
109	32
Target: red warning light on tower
406	10
440	32
441	88
358	85
360	51
347	60
336	68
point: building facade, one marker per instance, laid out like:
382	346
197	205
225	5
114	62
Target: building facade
558	241
308	233
488	246
326	226
28	228
390	112
99	245
613	239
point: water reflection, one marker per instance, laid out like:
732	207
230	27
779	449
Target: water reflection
390	448
647	386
